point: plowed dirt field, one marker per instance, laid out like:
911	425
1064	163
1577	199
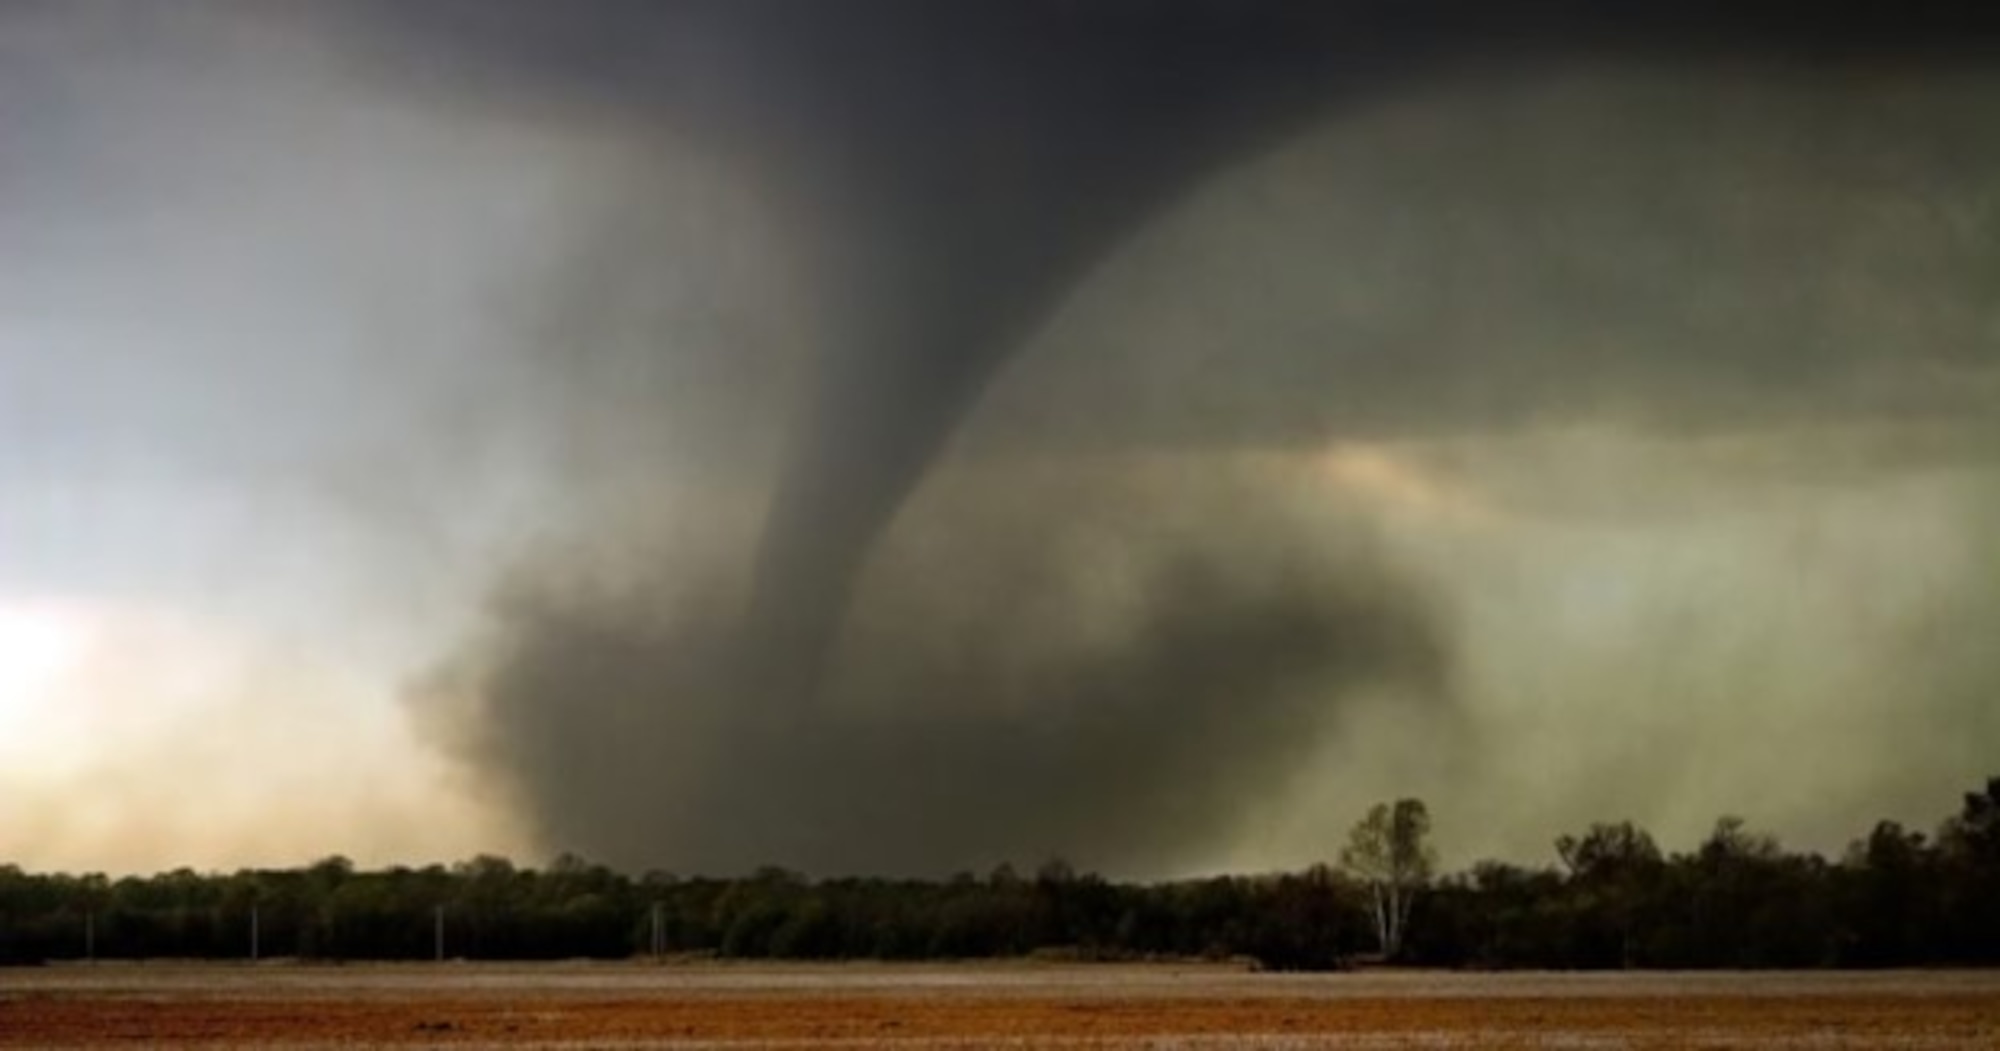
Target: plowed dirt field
619	1006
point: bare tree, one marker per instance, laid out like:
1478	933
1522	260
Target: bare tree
1387	850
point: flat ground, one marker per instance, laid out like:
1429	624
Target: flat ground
1155	1006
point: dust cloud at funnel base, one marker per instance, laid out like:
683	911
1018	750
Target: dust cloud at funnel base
1108	672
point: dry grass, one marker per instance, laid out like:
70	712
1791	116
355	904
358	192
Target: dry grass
720	1005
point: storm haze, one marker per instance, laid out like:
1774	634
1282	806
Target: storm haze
1143	434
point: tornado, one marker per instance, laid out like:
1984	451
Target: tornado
951	173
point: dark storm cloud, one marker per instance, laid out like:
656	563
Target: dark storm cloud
958	167
1686	254
950	172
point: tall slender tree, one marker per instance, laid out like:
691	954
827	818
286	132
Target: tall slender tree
1388	851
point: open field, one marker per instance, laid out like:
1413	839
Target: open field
1160	1006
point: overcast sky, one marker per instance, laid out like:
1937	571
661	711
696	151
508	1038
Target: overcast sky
1668	404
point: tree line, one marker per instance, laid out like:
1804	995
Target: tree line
1896	897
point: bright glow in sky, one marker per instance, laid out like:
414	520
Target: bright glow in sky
39	647
133	738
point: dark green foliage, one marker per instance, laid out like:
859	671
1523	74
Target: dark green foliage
1738	901
493	910
1897	898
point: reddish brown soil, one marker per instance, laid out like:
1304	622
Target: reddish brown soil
635	1006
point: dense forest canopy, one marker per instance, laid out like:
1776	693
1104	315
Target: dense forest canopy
1897	897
